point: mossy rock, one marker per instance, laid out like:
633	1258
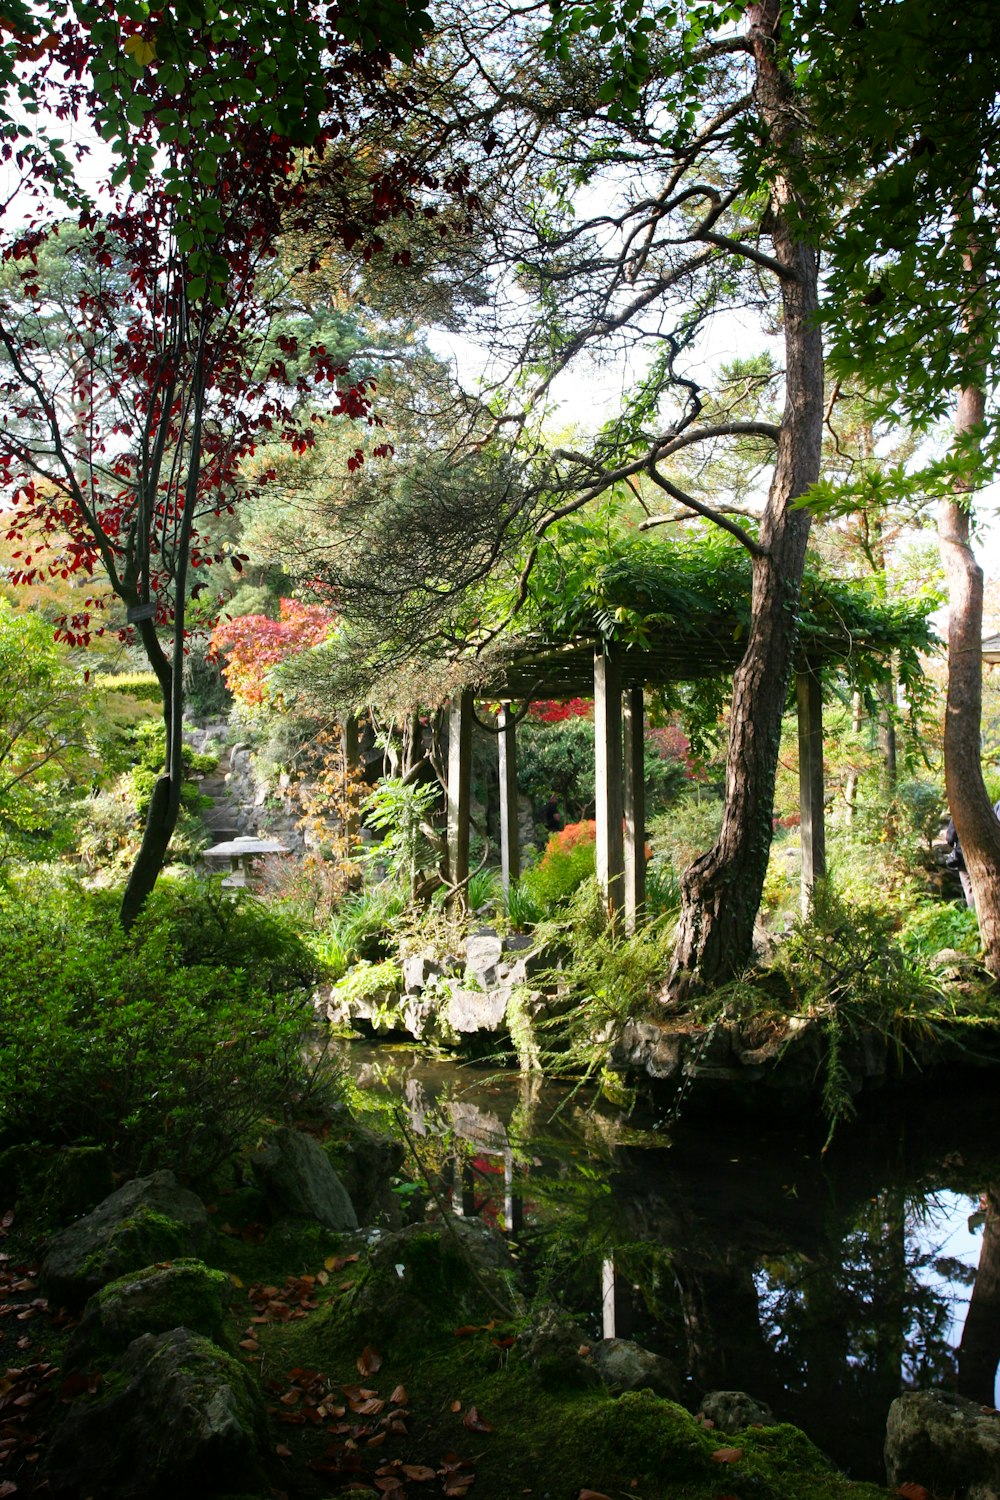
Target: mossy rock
148	1220
428	1279
175	1416
184	1294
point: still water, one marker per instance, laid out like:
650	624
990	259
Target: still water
824	1283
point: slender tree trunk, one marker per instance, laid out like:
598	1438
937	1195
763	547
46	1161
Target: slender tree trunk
165	803
968	800
721	891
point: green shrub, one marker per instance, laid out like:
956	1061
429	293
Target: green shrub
168	1045
484	889
688	829
663	887
368	981
568	861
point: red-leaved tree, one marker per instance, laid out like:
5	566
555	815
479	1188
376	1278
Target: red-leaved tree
252	644
143	352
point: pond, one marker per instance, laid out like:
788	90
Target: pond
823	1283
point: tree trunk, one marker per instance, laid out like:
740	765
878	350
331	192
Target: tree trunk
165	803
161	820
721	891
968	800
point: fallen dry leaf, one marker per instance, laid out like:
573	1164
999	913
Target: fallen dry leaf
418	1472
911	1491
282	1451
727	1455
592	1495
455	1406
399	1396
338	1262
369	1361
475	1423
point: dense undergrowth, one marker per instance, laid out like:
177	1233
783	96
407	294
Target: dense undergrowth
164	1046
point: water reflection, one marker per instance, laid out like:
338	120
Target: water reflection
822	1284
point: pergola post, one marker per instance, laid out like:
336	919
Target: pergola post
350	741
510	849
459	794
608	777
812	831
635	807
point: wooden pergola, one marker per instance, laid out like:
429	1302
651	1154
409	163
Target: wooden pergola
617	677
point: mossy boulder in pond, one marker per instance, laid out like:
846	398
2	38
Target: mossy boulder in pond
297	1178
184	1294
430	1278
149	1219
176	1417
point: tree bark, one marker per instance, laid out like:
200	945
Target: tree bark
721	891
968	800
979	1349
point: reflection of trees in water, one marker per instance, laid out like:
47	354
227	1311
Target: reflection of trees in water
815	1286
979	1350
849	1330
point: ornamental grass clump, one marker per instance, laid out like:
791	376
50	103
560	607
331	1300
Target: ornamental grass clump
166	1046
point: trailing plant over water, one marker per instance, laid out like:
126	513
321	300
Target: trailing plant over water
846	968
607	980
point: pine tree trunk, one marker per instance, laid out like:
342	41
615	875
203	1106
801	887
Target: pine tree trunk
968	800
721	891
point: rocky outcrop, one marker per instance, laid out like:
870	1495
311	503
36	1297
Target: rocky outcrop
948	1445
297	1179
430	1277
366	1163
484	995
175	1416
149	1219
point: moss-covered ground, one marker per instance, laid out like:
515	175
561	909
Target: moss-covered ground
375	1387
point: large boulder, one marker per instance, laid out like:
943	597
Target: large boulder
429	1279
183	1294
945	1443
180	1417
149	1219
297	1178
627	1366
366	1162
